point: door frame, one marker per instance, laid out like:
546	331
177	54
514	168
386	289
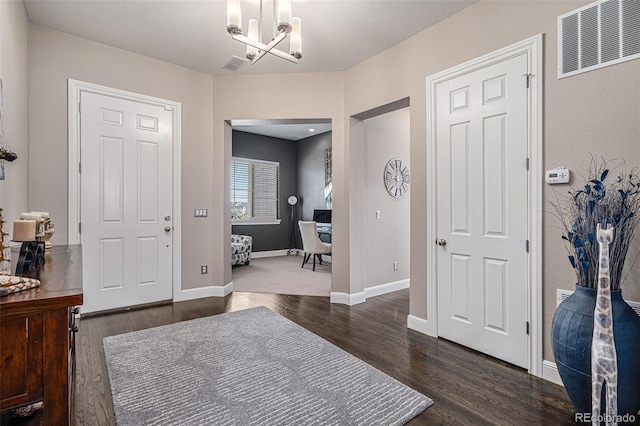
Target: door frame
532	47
74	88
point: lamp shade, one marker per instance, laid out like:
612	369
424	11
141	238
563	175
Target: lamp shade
234	17
295	45
284	16
253	35
24	230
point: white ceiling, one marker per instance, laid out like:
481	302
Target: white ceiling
293	130
336	34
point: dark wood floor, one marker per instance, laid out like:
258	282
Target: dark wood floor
467	387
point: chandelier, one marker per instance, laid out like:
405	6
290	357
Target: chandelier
283	25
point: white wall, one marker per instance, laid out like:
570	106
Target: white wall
14	61
56	57
386	239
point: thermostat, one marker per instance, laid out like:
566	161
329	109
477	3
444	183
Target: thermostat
558	175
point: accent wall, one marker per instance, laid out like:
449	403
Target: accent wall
311	174
258	147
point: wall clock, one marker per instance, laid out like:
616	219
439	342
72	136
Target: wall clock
292	200
397	178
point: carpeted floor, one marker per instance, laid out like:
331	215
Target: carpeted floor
282	275
251	367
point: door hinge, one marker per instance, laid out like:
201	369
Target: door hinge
527	246
79	167
80	107
527	327
528	78
79	227
527	163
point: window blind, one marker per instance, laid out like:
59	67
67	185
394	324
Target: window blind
254	189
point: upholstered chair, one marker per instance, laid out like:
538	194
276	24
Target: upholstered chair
311	243
241	249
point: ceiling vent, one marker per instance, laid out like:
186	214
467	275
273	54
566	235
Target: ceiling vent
597	35
234	64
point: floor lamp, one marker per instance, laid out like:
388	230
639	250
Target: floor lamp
293	247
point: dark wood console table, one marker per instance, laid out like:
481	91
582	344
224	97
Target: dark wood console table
37	337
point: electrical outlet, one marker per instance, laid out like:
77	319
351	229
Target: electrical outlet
204	269
395	266
199	212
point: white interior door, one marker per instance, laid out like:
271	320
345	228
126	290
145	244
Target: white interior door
482	210
126	202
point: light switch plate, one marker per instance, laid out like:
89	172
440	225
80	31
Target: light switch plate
200	213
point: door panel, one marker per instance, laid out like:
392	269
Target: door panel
482	210
459	178
111	180
126	193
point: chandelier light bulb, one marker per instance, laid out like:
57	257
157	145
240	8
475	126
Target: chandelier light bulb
234	17
253	36
284	16
282	21
295	45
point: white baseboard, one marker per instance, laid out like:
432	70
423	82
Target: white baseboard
361	297
418	324
348	299
268	253
381	289
550	372
202	292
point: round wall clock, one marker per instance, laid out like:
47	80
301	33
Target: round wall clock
292	200
397	178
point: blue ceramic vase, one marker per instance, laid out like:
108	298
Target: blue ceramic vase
571	336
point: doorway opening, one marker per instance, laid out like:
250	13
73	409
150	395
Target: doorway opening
379	215
280	174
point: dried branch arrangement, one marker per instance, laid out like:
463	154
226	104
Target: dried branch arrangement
610	195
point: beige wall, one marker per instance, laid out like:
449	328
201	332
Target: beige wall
14	61
594	112
56	57
284	96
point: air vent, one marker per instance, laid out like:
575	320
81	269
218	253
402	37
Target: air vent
561	295
234	64
599	34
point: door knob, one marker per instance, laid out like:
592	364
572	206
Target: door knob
441	242
167	229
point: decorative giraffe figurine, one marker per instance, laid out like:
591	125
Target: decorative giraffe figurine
604	363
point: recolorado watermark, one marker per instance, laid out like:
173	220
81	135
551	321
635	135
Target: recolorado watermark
619	418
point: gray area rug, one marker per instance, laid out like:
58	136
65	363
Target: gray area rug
251	367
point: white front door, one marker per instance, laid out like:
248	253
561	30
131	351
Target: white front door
126	202
482	210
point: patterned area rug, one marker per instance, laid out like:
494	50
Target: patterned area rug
251	367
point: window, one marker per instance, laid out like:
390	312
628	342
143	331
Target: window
254	191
